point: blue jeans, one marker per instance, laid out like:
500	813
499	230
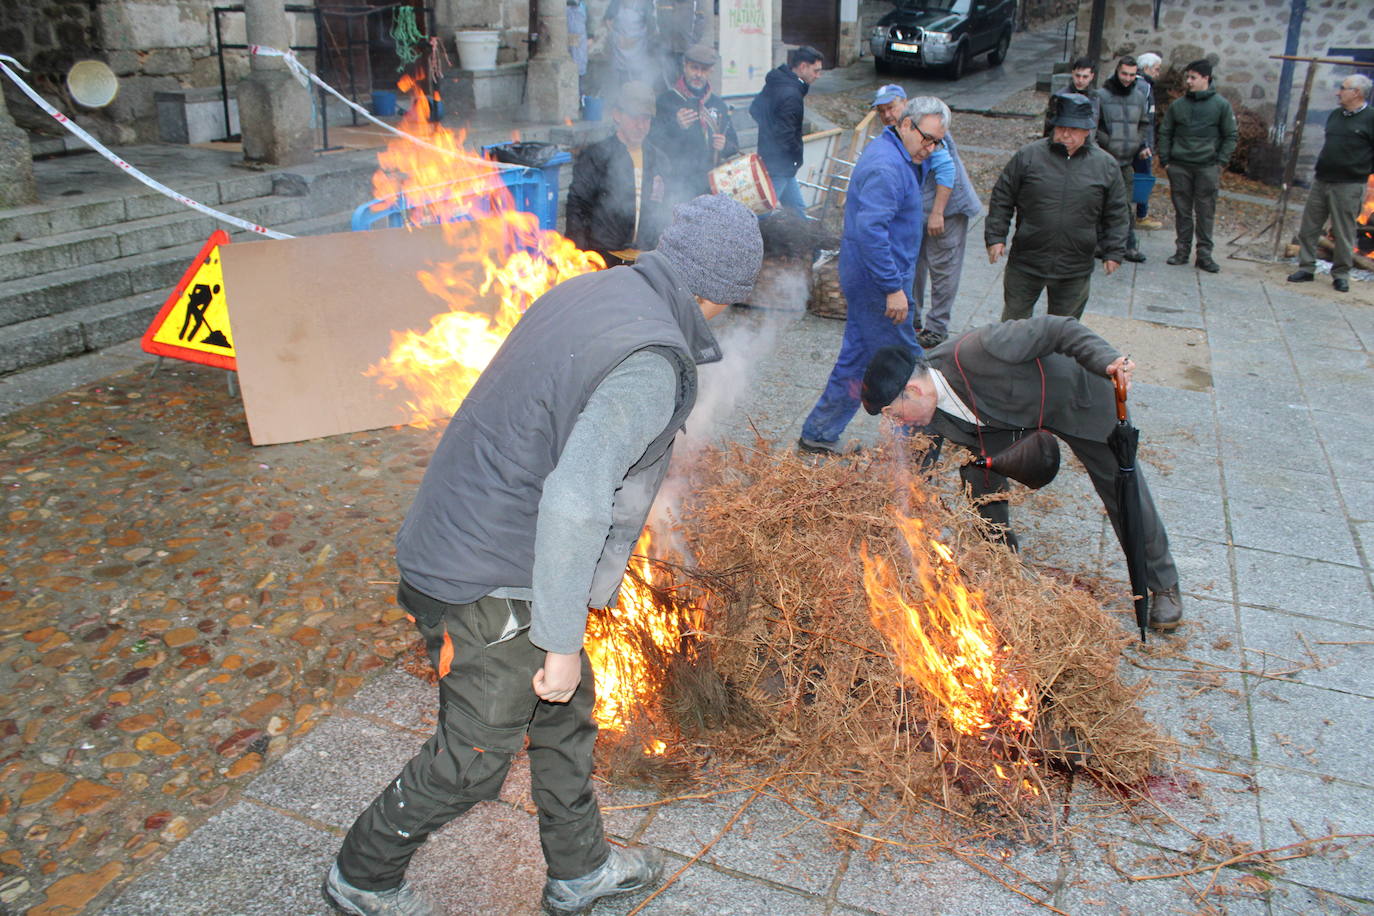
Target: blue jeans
866	330
789	194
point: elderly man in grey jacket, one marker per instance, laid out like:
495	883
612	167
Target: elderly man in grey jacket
986	388
950	205
526	516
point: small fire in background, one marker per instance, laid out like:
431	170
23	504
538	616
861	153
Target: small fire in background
502	261
945	642
631	643
1364	231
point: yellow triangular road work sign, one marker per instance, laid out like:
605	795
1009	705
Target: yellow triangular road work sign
194	321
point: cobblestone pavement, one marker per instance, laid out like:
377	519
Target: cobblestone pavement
176	607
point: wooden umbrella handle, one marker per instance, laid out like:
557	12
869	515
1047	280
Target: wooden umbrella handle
1120	398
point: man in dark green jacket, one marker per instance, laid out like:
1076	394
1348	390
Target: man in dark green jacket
1196	141
1066	194
1343	167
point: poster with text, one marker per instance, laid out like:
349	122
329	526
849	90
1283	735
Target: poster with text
746	45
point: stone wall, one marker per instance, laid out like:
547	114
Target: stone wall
1237	36
152	46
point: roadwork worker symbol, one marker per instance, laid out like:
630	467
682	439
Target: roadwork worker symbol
194	322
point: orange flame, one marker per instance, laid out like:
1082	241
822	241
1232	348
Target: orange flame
502	261
625	675
1367	208
945	642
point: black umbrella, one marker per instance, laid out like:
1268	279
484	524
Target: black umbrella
1123	442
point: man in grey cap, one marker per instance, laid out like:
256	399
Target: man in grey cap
692	127
616	201
526	517
1066	194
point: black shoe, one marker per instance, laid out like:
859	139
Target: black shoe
1340	285
1177	258
1207	264
1301	276
830	449
1166	608
1135	257
930	339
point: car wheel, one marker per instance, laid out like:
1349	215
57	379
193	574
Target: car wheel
999	53
881	65
959	64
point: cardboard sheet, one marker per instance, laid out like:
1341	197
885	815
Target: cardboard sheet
311	314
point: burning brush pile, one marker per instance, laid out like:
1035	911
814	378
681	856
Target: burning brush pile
859	627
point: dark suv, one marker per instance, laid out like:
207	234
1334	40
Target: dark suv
943	33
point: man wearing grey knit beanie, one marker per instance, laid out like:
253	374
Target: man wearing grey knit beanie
526	517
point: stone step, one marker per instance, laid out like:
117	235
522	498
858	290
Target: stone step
73	209
58	253
94	321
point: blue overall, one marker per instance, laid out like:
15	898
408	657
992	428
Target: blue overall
884	219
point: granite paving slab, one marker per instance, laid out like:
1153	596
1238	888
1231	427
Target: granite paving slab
1312	729
247	860
1303	586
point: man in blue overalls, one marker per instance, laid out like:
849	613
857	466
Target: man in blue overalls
883	225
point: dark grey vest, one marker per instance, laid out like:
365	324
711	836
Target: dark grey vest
471	529
1121	134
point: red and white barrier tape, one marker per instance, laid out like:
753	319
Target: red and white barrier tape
100	148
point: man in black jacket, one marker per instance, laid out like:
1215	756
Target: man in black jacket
692	128
616	199
1068	198
778	110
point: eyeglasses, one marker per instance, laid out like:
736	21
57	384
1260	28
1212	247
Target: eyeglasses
927	139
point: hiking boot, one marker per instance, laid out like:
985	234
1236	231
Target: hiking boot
1166	608
625	871
1135	256
401	900
830	449
1340	285
929	339
1146	222
1301	276
1207	264
1177	258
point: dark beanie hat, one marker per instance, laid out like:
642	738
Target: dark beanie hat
887	374
1200	67
714	245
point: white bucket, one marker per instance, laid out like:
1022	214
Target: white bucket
477	48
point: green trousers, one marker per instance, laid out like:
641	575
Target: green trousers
1020	291
487	710
1193	190
1340	203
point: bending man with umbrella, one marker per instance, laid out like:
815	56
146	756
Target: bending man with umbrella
992	386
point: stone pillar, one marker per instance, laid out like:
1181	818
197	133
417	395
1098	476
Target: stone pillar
551	75
16	161
274	108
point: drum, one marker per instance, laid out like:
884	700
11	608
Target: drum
746	180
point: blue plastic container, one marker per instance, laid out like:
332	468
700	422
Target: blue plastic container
526	184
593	108
383	103
540	199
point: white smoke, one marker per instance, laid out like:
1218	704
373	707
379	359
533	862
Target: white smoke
726	392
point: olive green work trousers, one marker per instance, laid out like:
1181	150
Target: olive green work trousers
487	711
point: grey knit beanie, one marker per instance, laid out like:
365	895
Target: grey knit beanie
714	246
